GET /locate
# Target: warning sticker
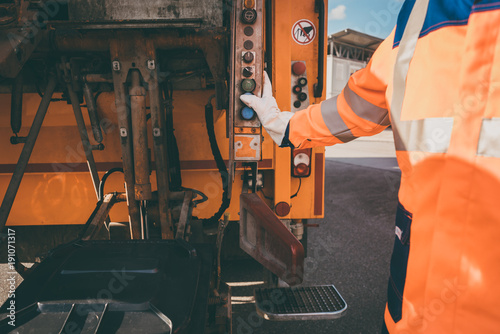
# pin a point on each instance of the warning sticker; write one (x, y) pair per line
(303, 32)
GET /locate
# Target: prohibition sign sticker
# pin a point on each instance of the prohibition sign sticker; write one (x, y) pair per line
(303, 32)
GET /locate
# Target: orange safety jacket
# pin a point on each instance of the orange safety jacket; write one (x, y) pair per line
(436, 80)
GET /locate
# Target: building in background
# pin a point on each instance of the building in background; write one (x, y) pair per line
(348, 51)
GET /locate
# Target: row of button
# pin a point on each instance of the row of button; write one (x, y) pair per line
(248, 16)
(298, 69)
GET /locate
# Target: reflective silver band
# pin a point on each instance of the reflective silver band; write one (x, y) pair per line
(489, 138)
(365, 109)
(405, 54)
(403, 129)
(334, 122)
(424, 135)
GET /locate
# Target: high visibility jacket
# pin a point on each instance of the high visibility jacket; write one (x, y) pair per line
(436, 80)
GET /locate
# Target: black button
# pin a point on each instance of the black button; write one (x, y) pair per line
(248, 31)
(249, 16)
(248, 57)
(297, 104)
(247, 72)
(302, 96)
(248, 45)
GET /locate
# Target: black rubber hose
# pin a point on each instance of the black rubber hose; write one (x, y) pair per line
(104, 178)
(174, 164)
(16, 104)
(221, 166)
(98, 205)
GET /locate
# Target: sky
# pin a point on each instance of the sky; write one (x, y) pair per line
(372, 17)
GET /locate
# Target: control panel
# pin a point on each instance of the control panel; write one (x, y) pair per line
(300, 91)
(247, 70)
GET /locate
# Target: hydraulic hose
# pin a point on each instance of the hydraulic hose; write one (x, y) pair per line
(174, 164)
(104, 178)
(99, 202)
(221, 166)
(16, 104)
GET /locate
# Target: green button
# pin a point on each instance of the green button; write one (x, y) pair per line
(248, 85)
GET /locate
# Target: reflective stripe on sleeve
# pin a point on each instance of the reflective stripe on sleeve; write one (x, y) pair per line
(365, 109)
(430, 135)
(489, 138)
(334, 122)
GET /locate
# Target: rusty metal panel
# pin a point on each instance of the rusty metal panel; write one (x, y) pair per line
(247, 64)
(208, 13)
(264, 237)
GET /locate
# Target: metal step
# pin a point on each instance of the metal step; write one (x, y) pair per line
(300, 303)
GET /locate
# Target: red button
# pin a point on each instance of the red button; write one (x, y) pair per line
(282, 209)
(298, 68)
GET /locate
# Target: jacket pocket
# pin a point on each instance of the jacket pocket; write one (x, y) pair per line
(399, 263)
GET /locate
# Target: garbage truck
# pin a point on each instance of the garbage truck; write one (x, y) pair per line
(127, 158)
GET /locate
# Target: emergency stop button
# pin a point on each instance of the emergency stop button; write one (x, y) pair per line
(298, 68)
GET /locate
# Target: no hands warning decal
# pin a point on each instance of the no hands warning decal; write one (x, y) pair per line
(303, 32)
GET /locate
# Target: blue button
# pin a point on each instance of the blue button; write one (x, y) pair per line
(247, 113)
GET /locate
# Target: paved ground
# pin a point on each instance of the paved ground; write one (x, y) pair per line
(350, 249)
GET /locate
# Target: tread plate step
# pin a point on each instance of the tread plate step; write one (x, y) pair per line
(300, 303)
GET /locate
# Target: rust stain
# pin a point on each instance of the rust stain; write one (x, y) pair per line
(244, 148)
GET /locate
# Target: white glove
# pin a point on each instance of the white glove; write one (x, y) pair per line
(273, 120)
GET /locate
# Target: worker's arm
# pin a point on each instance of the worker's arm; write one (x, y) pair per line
(360, 109)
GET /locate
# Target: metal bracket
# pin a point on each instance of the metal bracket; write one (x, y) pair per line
(185, 217)
(250, 177)
(101, 212)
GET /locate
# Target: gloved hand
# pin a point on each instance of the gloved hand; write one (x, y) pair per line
(273, 120)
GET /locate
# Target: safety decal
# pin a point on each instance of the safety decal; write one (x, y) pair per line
(303, 32)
